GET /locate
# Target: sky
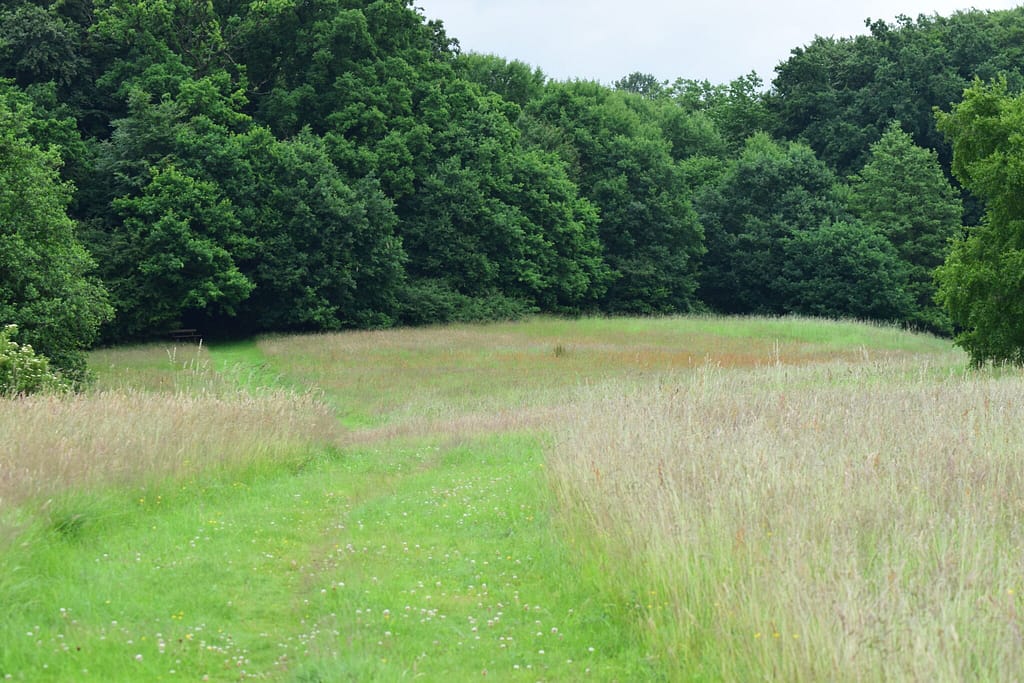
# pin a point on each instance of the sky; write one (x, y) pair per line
(716, 40)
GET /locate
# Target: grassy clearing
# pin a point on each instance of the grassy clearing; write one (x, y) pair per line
(210, 524)
(391, 378)
(772, 523)
(376, 505)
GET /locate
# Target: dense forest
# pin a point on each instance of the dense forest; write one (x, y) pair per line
(244, 166)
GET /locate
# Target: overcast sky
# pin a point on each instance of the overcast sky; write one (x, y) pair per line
(719, 40)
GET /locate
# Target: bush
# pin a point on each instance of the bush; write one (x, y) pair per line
(429, 301)
(23, 372)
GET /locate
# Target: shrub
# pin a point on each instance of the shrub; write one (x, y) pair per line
(430, 301)
(23, 372)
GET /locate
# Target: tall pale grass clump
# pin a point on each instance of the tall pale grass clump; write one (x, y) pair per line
(120, 436)
(837, 522)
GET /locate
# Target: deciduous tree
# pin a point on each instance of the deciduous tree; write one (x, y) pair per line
(46, 285)
(771, 192)
(902, 193)
(623, 163)
(982, 281)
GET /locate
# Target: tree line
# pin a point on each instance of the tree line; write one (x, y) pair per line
(244, 166)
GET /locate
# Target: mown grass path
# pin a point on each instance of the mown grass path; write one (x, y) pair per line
(423, 563)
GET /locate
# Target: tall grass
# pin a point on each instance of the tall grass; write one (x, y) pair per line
(834, 522)
(155, 418)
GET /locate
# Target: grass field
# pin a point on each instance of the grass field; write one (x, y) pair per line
(612, 500)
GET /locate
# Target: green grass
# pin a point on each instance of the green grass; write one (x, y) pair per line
(149, 367)
(421, 539)
(429, 560)
(715, 331)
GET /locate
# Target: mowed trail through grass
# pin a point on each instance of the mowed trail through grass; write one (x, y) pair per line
(419, 539)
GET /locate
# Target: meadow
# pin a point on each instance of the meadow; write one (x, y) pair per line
(601, 499)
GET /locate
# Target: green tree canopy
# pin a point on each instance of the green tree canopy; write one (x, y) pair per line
(318, 164)
(738, 108)
(324, 253)
(38, 45)
(780, 240)
(514, 80)
(45, 284)
(219, 223)
(764, 197)
(982, 281)
(623, 163)
(174, 261)
(903, 193)
(492, 217)
(839, 95)
(645, 85)
(844, 269)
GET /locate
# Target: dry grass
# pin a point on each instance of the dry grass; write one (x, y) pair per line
(186, 420)
(834, 522)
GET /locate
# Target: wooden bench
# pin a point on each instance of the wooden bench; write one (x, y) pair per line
(185, 335)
